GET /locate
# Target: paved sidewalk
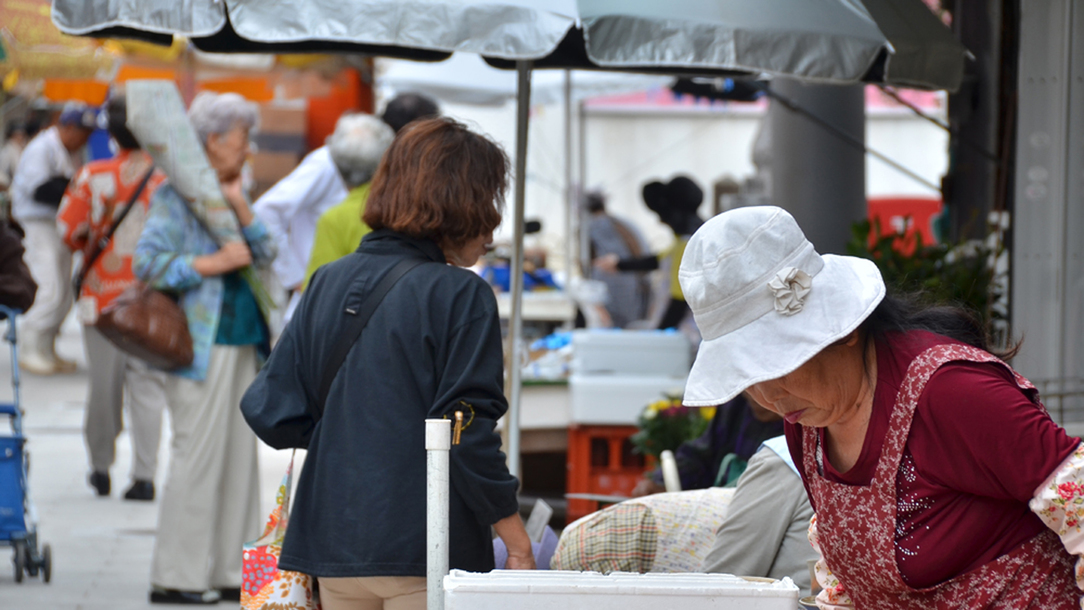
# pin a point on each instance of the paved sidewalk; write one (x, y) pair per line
(101, 546)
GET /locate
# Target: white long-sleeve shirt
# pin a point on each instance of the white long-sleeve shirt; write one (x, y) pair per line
(43, 158)
(291, 208)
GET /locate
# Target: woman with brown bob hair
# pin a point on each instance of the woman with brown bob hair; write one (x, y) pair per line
(432, 347)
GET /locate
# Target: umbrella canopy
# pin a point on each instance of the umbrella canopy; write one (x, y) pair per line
(834, 41)
(897, 42)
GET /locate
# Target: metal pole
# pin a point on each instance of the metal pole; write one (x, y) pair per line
(570, 195)
(438, 442)
(515, 329)
(817, 175)
(585, 237)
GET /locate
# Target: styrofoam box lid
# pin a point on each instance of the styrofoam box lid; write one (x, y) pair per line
(617, 399)
(630, 352)
(623, 338)
(618, 583)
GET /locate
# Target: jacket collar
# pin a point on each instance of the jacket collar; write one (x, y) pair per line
(386, 241)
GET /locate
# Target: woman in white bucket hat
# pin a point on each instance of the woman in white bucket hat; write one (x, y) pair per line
(938, 478)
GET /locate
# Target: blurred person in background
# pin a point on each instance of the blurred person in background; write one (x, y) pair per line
(764, 532)
(676, 203)
(15, 139)
(719, 456)
(292, 207)
(629, 293)
(96, 199)
(356, 148)
(406, 108)
(210, 503)
(436, 199)
(47, 164)
(17, 287)
(340, 229)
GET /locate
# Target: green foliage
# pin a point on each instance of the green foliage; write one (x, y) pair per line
(949, 273)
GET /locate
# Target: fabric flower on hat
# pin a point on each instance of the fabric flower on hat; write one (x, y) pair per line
(790, 286)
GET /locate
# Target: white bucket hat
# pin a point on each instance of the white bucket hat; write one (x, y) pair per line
(765, 301)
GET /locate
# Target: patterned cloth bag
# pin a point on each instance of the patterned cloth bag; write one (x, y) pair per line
(263, 585)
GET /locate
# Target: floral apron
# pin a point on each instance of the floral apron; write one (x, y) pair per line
(856, 525)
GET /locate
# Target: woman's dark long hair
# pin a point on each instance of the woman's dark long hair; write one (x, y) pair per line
(901, 312)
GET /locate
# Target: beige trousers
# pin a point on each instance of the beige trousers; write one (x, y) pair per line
(50, 264)
(373, 593)
(111, 370)
(210, 506)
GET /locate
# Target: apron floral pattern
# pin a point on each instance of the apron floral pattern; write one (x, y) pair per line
(855, 527)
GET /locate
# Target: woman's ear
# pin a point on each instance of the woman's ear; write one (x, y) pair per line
(850, 340)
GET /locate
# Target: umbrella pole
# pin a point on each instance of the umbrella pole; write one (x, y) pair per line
(515, 328)
(570, 197)
(585, 221)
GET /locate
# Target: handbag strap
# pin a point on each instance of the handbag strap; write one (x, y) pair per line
(355, 323)
(103, 241)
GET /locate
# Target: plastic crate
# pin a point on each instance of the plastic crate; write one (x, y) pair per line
(601, 461)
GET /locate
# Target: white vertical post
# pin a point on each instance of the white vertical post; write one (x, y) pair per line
(670, 477)
(438, 442)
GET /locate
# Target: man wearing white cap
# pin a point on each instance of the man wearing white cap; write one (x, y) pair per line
(47, 164)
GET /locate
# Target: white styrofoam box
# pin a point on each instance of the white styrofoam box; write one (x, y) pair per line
(617, 399)
(544, 590)
(630, 352)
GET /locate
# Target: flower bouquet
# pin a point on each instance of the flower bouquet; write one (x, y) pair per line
(666, 424)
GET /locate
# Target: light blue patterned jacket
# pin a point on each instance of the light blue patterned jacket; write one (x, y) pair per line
(172, 229)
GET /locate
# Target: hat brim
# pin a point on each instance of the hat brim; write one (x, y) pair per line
(773, 345)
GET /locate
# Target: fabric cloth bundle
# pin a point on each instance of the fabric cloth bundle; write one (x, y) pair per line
(263, 585)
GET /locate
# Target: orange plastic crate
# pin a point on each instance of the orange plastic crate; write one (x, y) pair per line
(601, 461)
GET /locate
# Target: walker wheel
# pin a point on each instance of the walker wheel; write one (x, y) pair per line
(46, 563)
(20, 560)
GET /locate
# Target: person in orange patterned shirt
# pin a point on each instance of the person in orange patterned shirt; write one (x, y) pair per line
(94, 200)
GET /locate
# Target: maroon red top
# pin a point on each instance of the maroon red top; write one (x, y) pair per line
(976, 452)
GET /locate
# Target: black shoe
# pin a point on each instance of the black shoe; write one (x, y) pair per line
(230, 594)
(100, 482)
(176, 596)
(140, 490)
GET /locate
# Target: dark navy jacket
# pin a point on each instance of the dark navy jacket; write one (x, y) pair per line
(431, 348)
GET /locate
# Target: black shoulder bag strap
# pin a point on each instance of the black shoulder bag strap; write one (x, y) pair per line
(355, 323)
(103, 241)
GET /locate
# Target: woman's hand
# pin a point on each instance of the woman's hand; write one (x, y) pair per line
(235, 196)
(646, 487)
(607, 263)
(519, 562)
(512, 533)
(232, 256)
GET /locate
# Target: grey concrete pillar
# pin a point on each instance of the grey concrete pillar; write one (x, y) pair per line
(816, 175)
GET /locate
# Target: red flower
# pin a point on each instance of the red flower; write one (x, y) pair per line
(1068, 490)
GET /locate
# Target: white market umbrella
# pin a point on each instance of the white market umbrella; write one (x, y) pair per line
(828, 41)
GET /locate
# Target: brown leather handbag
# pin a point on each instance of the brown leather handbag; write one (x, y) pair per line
(148, 324)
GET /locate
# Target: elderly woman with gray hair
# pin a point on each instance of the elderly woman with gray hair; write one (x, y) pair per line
(356, 148)
(210, 505)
